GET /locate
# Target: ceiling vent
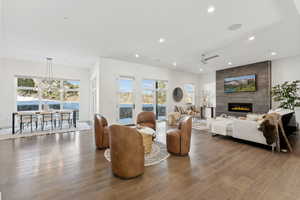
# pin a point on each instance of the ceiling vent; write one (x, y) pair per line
(234, 27)
(205, 59)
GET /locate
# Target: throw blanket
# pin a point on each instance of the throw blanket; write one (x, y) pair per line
(269, 127)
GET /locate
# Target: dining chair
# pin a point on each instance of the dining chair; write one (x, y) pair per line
(65, 116)
(26, 119)
(45, 118)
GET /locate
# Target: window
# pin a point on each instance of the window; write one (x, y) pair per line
(126, 100)
(30, 96)
(189, 97)
(53, 97)
(71, 96)
(27, 94)
(161, 93)
(148, 95)
(154, 97)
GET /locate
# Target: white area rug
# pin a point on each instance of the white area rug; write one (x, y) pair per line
(158, 154)
(7, 133)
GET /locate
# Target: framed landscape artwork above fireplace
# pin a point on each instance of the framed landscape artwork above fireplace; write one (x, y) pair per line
(246, 83)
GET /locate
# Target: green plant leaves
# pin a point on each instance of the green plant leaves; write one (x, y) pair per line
(287, 94)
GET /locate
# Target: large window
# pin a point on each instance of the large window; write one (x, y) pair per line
(27, 94)
(126, 105)
(155, 97)
(31, 96)
(148, 95)
(189, 97)
(161, 99)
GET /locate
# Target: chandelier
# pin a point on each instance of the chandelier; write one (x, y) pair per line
(47, 83)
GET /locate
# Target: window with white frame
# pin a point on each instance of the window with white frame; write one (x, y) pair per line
(189, 97)
(154, 97)
(148, 99)
(63, 95)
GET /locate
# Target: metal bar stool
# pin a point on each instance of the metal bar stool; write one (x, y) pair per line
(65, 116)
(45, 118)
(27, 119)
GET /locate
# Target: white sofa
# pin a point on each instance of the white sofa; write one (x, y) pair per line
(247, 130)
(237, 128)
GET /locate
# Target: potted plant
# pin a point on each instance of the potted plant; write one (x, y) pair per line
(287, 94)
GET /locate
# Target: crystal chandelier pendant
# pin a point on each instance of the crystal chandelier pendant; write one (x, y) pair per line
(47, 84)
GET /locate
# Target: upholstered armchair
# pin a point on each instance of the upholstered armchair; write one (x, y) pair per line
(126, 151)
(178, 140)
(147, 119)
(101, 132)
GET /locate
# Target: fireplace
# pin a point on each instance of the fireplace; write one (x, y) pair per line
(240, 107)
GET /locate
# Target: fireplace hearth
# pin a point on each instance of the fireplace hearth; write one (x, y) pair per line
(240, 107)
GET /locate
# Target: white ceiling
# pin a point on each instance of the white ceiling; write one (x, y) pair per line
(78, 32)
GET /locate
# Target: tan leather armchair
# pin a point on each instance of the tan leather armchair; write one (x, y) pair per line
(147, 119)
(101, 132)
(178, 140)
(127, 152)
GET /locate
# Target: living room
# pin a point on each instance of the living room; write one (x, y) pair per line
(149, 100)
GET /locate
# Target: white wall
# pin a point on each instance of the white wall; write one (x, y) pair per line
(111, 69)
(287, 69)
(208, 87)
(95, 75)
(10, 68)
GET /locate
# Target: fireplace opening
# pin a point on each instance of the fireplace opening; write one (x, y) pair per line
(240, 107)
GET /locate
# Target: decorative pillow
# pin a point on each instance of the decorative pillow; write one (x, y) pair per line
(193, 108)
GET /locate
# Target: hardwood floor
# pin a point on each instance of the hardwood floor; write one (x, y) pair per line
(67, 166)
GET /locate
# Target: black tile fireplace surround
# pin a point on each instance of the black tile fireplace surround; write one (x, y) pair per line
(240, 107)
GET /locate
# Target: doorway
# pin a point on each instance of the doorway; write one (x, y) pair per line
(126, 103)
(155, 97)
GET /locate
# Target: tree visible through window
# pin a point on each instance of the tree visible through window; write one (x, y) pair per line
(189, 96)
(155, 97)
(63, 95)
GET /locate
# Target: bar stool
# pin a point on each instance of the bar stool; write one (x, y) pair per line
(65, 116)
(45, 118)
(27, 119)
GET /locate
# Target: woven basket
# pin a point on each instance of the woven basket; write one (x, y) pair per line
(147, 141)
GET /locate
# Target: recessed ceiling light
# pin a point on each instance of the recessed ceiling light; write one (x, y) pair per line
(174, 63)
(273, 53)
(161, 40)
(137, 55)
(200, 69)
(211, 9)
(229, 63)
(251, 38)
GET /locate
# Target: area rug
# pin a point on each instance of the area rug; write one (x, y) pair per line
(200, 125)
(158, 154)
(7, 133)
